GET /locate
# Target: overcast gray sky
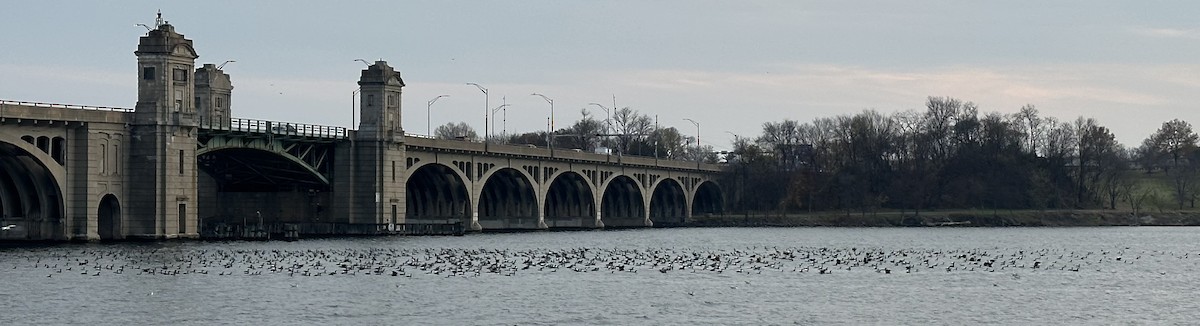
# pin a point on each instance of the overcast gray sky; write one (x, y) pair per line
(730, 65)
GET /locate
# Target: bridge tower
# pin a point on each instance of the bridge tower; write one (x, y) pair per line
(162, 185)
(375, 190)
(213, 93)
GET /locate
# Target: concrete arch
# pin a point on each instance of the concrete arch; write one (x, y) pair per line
(219, 151)
(57, 171)
(437, 193)
(31, 191)
(108, 218)
(569, 202)
(622, 204)
(668, 203)
(707, 199)
(524, 174)
(507, 199)
(453, 169)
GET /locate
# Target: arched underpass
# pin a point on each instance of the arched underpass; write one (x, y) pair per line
(30, 199)
(622, 204)
(251, 186)
(435, 194)
(668, 204)
(108, 218)
(508, 201)
(569, 203)
(708, 200)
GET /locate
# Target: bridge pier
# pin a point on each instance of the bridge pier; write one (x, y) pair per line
(598, 223)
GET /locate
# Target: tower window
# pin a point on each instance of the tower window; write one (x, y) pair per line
(220, 102)
(370, 100)
(148, 73)
(179, 75)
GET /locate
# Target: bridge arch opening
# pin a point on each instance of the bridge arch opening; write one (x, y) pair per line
(256, 170)
(569, 202)
(435, 194)
(508, 201)
(108, 218)
(31, 205)
(249, 186)
(668, 204)
(622, 204)
(708, 200)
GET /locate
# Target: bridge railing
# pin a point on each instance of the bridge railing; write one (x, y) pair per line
(64, 106)
(277, 128)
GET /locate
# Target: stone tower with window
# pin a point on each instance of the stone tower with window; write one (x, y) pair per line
(162, 189)
(375, 191)
(213, 90)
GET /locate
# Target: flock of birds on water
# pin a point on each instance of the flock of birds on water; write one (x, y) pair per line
(460, 262)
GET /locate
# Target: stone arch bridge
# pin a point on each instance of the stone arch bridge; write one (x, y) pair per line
(179, 163)
(68, 172)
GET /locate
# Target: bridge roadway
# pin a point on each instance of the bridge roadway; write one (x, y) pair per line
(65, 174)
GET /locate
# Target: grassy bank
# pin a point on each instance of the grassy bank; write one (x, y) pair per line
(962, 218)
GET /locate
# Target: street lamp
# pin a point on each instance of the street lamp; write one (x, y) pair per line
(502, 106)
(697, 131)
(428, 125)
(549, 141)
(354, 108)
(607, 117)
(486, 106)
(699, 156)
(353, 96)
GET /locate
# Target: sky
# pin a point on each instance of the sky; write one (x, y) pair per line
(729, 65)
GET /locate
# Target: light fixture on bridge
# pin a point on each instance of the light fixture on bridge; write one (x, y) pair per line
(428, 125)
(486, 107)
(550, 139)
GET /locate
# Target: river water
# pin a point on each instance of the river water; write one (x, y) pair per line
(697, 276)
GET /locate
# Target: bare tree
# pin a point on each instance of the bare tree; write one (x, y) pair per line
(454, 130)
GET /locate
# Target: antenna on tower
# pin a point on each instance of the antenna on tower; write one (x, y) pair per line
(158, 21)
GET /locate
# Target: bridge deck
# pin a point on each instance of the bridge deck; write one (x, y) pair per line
(85, 113)
(419, 143)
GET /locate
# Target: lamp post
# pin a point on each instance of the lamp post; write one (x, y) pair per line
(502, 106)
(607, 117)
(353, 98)
(428, 124)
(486, 106)
(550, 140)
(697, 132)
(504, 118)
(354, 108)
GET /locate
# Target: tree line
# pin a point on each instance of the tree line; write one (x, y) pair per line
(950, 156)
(947, 156)
(626, 132)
